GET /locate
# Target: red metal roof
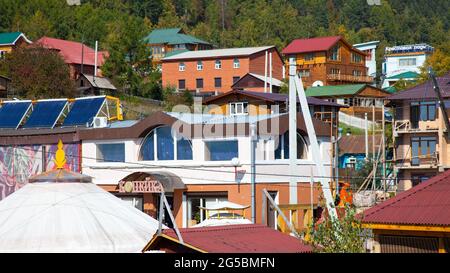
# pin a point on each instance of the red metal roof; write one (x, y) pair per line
(71, 51)
(247, 238)
(311, 44)
(425, 204)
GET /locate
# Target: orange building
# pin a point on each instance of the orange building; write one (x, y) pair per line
(216, 70)
(327, 61)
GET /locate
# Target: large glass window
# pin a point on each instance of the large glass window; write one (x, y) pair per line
(165, 146)
(407, 62)
(282, 150)
(422, 148)
(195, 215)
(356, 58)
(423, 111)
(334, 53)
(111, 152)
(221, 150)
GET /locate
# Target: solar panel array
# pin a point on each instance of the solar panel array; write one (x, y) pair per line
(46, 113)
(13, 113)
(83, 111)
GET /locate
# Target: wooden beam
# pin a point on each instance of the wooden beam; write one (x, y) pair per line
(406, 227)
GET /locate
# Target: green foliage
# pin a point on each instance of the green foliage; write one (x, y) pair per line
(341, 236)
(36, 72)
(173, 98)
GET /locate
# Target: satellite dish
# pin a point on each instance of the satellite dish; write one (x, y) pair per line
(317, 83)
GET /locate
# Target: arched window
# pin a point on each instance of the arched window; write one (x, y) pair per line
(282, 149)
(199, 65)
(160, 144)
(181, 67)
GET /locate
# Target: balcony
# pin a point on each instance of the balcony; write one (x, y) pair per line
(406, 126)
(349, 78)
(429, 161)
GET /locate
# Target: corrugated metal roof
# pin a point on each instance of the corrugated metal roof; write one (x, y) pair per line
(424, 90)
(213, 53)
(355, 144)
(172, 36)
(9, 38)
(311, 44)
(404, 75)
(247, 238)
(334, 90)
(425, 204)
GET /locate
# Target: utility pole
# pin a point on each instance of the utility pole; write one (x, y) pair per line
(383, 149)
(253, 139)
(366, 135)
(292, 132)
(374, 165)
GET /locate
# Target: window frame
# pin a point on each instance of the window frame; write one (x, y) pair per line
(215, 82)
(199, 65)
(217, 64)
(99, 154)
(208, 150)
(419, 141)
(309, 56)
(179, 81)
(182, 67)
(234, 105)
(237, 64)
(401, 62)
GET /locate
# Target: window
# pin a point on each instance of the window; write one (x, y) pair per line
(165, 146)
(235, 79)
(2, 54)
(407, 62)
(217, 82)
(221, 150)
(199, 83)
(181, 67)
(335, 71)
(357, 73)
(218, 64)
(181, 84)
(334, 54)
(180, 46)
(199, 65)
(134, 201)
(111, 152)
(157, 50)
(422, 148)
(304, 73)
(236, 63)
(416, 179)
(282, 150)
(196, 215)
(356, 58)
(422, 111)
(309, 56)
(238, 108)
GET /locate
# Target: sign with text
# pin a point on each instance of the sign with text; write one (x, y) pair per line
(146, 186)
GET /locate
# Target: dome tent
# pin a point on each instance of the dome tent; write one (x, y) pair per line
(63, 211)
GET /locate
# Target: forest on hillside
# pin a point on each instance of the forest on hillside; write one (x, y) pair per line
(121, 25)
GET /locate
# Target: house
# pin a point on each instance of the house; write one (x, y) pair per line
(79, 57)
(11, 40)
(243, 102)
(171, 41)
(255, 82)
(420, 132)
(352, 150)
(215, 71)
(4, 86)
(359, 97)
(408, 76)
(324, 61)
(414, 221)
(404, 58)
(92, 85)
(206, 160)
(249, 238)
(371, 62)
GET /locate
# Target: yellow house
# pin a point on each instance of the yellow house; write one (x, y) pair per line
(415, 221)
(11, 40)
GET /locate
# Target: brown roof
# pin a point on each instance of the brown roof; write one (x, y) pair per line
(356, 144)
(247, 238)
(425, 204)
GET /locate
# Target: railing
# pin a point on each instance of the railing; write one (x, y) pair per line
(422, 161)
(405, 126)
(349, 78)
(402, 125)
(354, 121)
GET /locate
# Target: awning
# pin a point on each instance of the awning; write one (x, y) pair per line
(167, 180)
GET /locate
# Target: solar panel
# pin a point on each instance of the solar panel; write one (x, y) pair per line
(45, 114)
(83, 111)
(12, 114)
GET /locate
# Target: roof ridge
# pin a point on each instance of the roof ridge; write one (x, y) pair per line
(407, 194)
(220, 228)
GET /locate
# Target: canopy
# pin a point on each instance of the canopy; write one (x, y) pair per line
(225, 205)
(71, 217)
(213, 222)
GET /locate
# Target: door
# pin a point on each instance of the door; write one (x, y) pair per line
(271, 211)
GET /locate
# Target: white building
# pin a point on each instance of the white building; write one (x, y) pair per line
(370, 49)
(403, 59)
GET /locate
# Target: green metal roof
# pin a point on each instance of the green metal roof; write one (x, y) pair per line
(172, 36)
(404, 75)
(9, 38)
(390, 89)
(175, 52)
(334, 90)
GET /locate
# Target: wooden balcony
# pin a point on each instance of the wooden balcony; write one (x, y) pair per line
(349, 78)
(406, 126)
(428, 161)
